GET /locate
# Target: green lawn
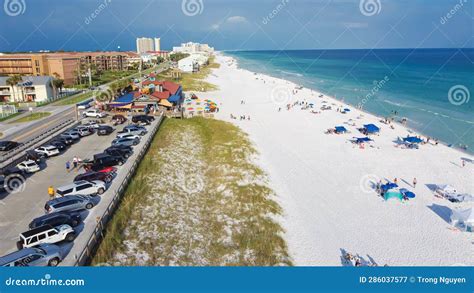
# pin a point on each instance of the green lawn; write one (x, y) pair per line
(197, 199)
(31, 117)
(74, 99)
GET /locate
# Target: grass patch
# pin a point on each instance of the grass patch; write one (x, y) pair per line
(10, 117)
(31, 117)
(196, 200)
(74, 99)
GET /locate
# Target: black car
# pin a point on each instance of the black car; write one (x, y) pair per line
(105, 130)
(56, 219)
(146, 119)
(8, 145)
(66, 140)
(13, 171)
(34, 156)
(92, 175)
(118, 152)
(102, 161)
(61, 146)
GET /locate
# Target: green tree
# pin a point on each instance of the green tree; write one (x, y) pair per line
(13, 82)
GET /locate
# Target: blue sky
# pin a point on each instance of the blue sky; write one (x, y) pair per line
(236, 25)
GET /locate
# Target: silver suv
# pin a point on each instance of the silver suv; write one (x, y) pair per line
(69, 203)
(46, 234)
(44, 255)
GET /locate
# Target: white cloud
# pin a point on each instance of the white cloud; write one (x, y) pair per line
(236, 19)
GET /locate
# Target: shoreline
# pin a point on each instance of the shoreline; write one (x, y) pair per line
(311, 171)
(318, 91)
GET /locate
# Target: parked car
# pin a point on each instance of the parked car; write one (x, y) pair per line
(56, 219)
(46, 235)
(47, 151)
(121, 152)
(125, 141)
(103, 160)
(128, 135)
(34, 156)
(69, 203)
(95, 113)
(118, 119)
(92, 176)
(83, 131)
(108, 170)
(28, 166)
(43, 255)
(105, 130)
(61, 146)
(71, 134)
(133, 130)
(145, 119)
(8, 145)
(64, 139)
(91, 124)
(83, 187)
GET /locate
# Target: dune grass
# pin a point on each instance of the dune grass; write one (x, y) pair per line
(31, 117)
(196, 200)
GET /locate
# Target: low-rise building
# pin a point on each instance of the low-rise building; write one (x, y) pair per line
(30, 89)
(191, 48)
(193, 62)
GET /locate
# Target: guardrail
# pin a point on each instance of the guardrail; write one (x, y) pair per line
(12, 155)
(101, 222)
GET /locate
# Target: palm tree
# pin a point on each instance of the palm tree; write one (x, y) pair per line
(13, 82)
(58, 83)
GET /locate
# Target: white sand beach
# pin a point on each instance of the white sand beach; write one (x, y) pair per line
(324, 182)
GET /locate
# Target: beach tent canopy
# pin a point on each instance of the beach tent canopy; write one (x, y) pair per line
(463, 216)
(362, 139)
(340, 129)
(446, 188)
(388, 186)
(393, 193)
(407, 193)
(412, 139)
(371, 128)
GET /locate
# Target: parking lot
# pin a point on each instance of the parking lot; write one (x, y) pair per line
(18, 209)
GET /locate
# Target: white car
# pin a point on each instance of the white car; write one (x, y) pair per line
(46, 234)
(83, 188)
(95, 113)
(47, 151)
(29, 166)
(128, 135)
(91, 124)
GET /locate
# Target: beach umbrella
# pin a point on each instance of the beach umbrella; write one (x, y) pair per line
(347, 109)
(412, 139)
(199, 109)
(190, 109)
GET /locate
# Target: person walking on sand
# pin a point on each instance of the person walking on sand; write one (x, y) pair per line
(463, 163)
(395, 180)
(51, 192)
(414, 182)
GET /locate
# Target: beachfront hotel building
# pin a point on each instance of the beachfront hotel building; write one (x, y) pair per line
(144, 45)
(30, 89)
(191, 48)
(65, 64)
(157, 45)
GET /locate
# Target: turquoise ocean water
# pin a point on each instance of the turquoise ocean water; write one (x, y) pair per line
(432, 88)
